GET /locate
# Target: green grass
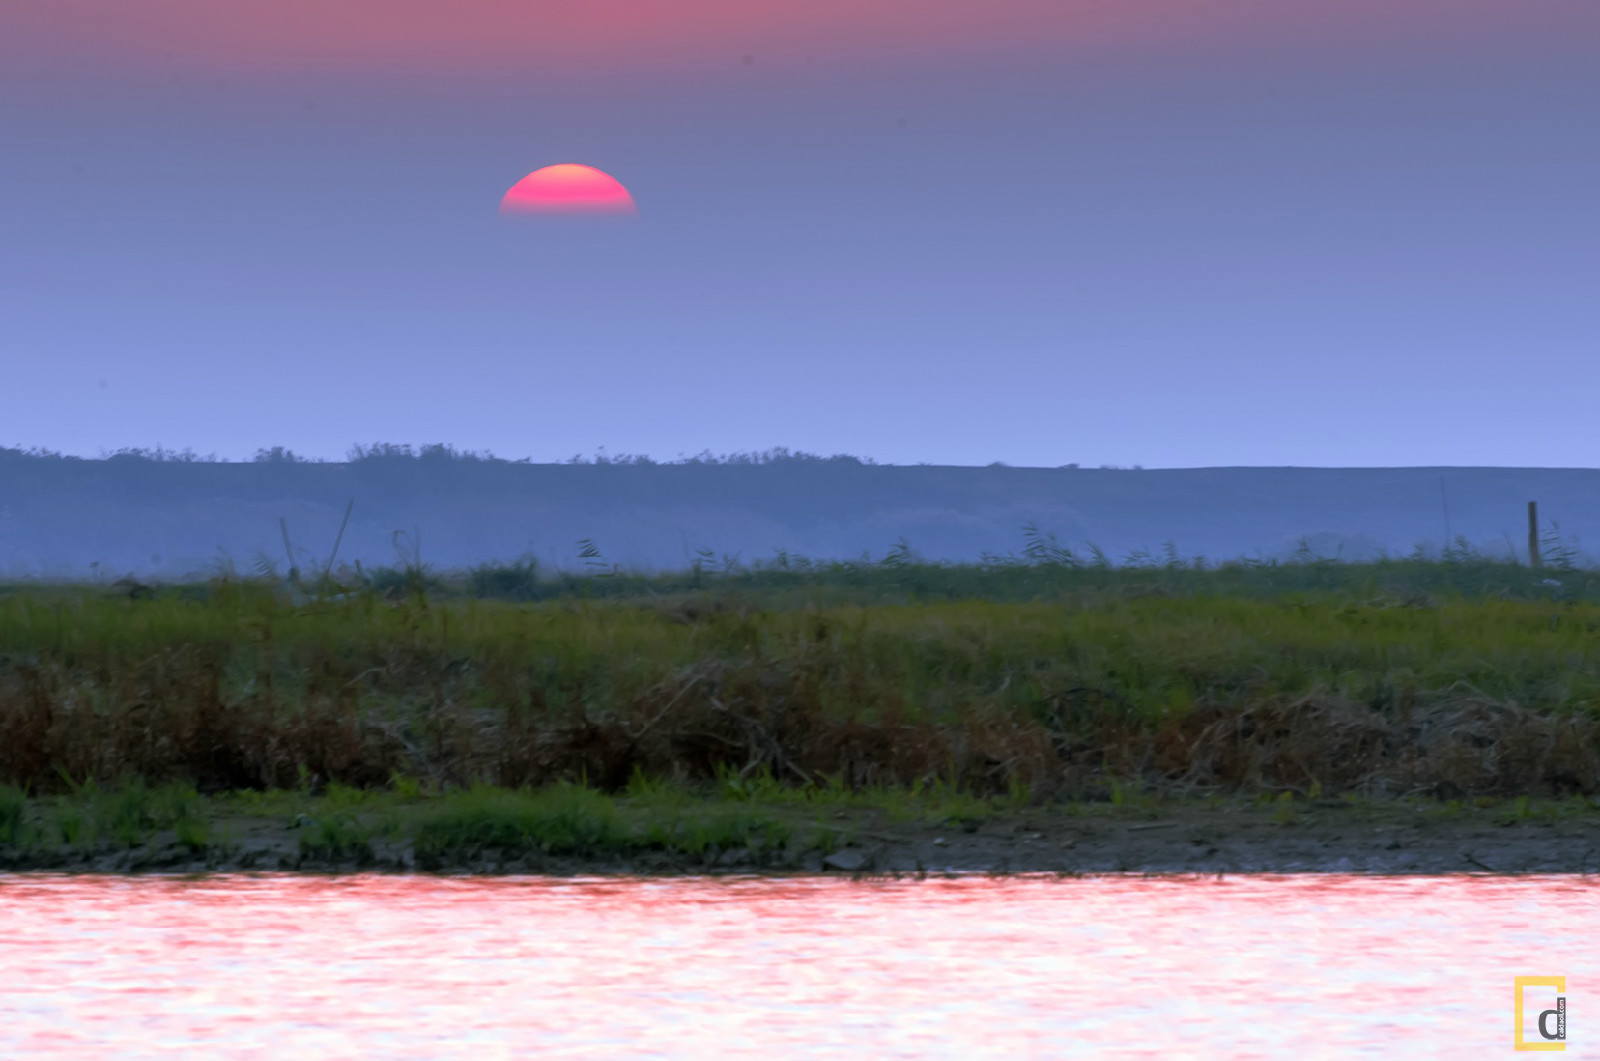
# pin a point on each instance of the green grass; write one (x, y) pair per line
(562, 820)
(690, 825)
(699, 831)
(128, 815)
(573, 820)
(335, 836)
(1048, 674)
(13, 816)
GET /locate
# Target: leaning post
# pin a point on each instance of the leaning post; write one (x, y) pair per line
(1533, 534)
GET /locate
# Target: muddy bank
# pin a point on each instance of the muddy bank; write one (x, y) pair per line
(1331, 837)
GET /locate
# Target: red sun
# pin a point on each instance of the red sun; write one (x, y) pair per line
(568, 188)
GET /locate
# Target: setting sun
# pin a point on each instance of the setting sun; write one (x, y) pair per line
(568, 188)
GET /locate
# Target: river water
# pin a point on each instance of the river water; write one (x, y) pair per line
(394, 967)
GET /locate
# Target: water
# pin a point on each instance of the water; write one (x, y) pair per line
(269, 966)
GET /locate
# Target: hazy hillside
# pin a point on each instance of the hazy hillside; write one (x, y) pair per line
(160, 514)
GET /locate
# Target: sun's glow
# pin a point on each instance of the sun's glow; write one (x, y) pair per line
(568, 188)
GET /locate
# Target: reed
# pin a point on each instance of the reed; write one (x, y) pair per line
(1456, 676)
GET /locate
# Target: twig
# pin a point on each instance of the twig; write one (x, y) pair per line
(774, 749)
(338, 539)
(663, 712)
(363, 674)
(283, 525)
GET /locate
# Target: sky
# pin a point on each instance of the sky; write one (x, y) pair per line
(1173, 233)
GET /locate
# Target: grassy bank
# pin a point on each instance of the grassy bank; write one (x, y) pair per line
(340, 825)
(757, 824)
(1064, 679)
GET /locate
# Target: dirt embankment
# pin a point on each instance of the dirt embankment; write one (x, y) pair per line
(1327, 837)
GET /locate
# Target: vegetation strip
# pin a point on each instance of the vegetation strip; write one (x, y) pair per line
(740, 827)
(773, 720)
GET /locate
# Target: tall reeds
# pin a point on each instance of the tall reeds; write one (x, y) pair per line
(1060, 678)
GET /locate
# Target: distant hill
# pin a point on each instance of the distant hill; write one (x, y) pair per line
(165, 515)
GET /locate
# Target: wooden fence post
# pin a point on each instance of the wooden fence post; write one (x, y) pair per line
(1533, 534)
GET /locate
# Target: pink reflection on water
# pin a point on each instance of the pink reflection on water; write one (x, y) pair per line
(236, 967)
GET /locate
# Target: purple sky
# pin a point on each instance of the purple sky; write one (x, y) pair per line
(1362, 234)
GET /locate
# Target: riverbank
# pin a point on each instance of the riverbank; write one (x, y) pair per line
(1130, 687)
(572, 831)
(1146, 721)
